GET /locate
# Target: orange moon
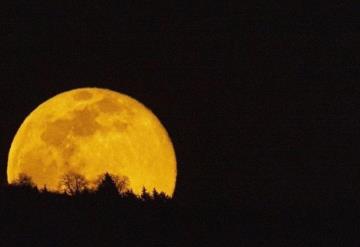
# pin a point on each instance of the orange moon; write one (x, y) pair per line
(92, 131)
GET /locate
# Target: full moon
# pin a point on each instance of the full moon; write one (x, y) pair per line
(92, 131)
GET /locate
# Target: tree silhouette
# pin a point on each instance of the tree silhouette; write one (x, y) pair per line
(73, 183)
(129, 195)
(121, 183)
(145, 196)
(155, 193)
(107, 186)
(159, 196)
(24, 180)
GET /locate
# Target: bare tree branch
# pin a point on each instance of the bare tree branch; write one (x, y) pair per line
(73, 183)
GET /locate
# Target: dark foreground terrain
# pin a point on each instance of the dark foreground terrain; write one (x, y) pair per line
(32, 218)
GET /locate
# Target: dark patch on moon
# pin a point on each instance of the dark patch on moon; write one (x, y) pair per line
(58, 133)
(69, 150)
(120, 126)
(84, 122)
(109, 105)
(82, 95)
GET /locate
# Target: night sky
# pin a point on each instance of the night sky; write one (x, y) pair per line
(260, 102)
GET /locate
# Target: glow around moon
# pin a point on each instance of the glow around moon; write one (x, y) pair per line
(91, 131)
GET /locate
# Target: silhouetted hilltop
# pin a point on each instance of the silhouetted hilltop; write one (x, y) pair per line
(41, 218)
(35, 217)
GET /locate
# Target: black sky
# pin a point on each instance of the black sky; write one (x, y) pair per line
(261, 101)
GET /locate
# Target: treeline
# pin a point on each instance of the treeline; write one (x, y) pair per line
(74, 184)
(105, 213)
(109, 214)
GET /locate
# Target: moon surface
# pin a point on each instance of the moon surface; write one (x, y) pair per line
(92, 131)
